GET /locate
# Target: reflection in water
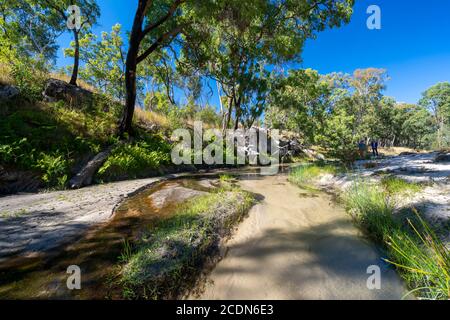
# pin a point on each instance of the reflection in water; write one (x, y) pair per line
(97, 252)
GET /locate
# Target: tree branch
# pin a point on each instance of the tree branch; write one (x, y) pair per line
(171, 34)
(166, 17)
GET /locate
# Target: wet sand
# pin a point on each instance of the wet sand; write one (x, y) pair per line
(297, 245)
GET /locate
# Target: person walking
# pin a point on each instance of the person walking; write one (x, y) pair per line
(374, 145)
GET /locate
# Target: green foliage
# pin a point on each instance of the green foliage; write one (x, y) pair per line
(307, 173)
(397, 186)
(300, 103)
(423, 260)
(158, 102)
(104, 59)
(50, 138)
(336, 111)
(225, 178)
(208, 115)
(55, 169)
(420, 256)
(135, 160)
(29, 31)
(338, 138)
(370, 206)
(437, 100)
(235, 49)
(29, 81)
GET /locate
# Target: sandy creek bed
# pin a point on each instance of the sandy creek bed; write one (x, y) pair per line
(295, 244)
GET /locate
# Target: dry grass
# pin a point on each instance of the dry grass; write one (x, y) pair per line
(80, 83)
(5, 72)
(395, 151)
(6, 78)
(150, 117)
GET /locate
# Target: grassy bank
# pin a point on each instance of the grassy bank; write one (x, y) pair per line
(421, 258)
(48, 142)
(411, 245)
(168, 260)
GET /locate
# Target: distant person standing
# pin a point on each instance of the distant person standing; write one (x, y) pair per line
(374, 145)
(362, 147)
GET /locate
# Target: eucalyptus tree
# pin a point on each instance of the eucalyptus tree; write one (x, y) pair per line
(248, 36)
(65, 13)
(437, 100)
(300, 102)
(156, 24)
(28, 29)
(104, 61)
(227, 39)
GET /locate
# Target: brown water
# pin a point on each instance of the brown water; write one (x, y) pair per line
(97, 253)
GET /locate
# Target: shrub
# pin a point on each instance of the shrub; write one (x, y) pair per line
(29, 81)
(55, 169)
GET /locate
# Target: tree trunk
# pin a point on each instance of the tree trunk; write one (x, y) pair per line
(238, 113)
(85, 176)
(130, 71)
(130, 85)
(238, 117)
(227, 116)
(76, 63)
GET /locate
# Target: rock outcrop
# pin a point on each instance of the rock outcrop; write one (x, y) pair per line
(13, 181)
(8, 92)
(57, 90)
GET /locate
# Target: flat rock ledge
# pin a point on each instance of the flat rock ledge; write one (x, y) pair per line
(32, 224)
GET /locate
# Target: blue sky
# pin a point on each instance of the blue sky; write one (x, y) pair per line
(413, 44)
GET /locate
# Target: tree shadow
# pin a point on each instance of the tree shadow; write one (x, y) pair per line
(327, 261)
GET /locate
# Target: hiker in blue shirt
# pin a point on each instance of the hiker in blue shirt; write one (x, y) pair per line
(375, 148)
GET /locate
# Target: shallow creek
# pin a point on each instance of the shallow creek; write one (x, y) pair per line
(295, 244)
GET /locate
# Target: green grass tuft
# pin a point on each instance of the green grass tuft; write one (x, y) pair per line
(307, 173)
(371, 208)
(420, 256)
(395, 186)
